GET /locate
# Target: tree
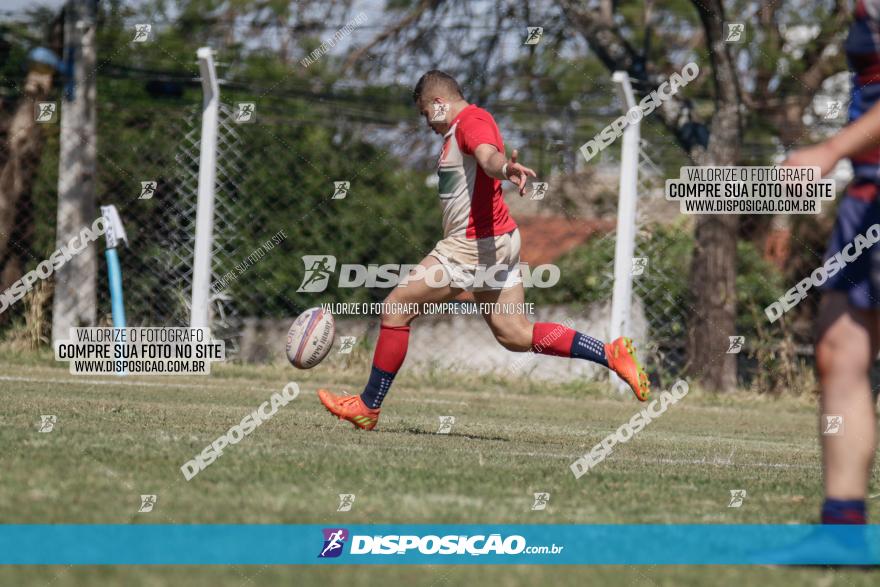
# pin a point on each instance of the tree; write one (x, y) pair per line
(713, 275)
(22, 141)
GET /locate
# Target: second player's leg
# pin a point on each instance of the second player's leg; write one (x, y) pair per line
(846, 346)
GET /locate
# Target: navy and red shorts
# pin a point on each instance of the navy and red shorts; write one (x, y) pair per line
(858, 210)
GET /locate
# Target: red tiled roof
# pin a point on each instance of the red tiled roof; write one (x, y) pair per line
(546, 238)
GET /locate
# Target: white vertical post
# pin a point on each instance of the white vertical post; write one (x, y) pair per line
(75, 300)
(624, 247)
(201, 285)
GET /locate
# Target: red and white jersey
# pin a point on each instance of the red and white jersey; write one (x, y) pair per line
(472, 202)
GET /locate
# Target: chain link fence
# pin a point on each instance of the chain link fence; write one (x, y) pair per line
(277, 200)
(274, 203)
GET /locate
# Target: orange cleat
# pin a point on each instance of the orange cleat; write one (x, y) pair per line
(349, 407)
(621, 355)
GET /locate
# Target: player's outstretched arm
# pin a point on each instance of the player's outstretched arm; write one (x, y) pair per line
(859, 136)
(496, 165)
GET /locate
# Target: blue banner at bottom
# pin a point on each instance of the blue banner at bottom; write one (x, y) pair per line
(702, 544)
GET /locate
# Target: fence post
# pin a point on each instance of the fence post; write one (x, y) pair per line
(75, 299)
(201, 286)
(624, 246)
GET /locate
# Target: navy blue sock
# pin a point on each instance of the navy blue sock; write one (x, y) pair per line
(843, 511)
(587, 347)
(378, 385)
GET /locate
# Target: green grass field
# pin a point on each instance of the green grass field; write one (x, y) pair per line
(116, 439)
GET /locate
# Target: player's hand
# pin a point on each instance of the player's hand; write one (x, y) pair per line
(518, 174)
(821, 156)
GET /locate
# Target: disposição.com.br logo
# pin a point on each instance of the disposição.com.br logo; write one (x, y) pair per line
(334, 540)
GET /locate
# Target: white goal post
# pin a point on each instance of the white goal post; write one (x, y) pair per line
(624, 246)
(204, 236)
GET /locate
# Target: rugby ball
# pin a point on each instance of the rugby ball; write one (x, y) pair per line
(310, 338)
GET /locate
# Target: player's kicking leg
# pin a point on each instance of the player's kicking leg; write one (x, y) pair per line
(425, 284)
(847, 342)
(516, 333)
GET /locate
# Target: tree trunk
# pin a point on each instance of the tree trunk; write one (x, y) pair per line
(23, 150)
(713, 315)
(713, 266)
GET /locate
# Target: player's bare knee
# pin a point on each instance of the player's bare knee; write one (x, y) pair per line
(396, 312)
(837, 356)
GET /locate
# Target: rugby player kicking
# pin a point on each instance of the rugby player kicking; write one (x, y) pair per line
(480, 239)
